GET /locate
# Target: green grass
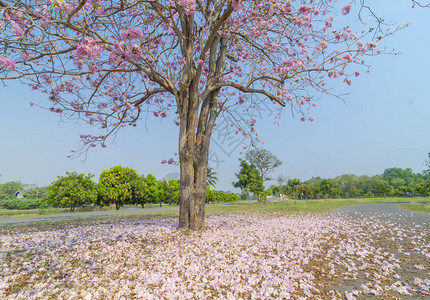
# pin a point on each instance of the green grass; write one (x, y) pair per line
(299, 206)
(419, 207)
(12, 213)
(287, 207)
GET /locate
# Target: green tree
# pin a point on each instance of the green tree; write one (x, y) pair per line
(172, 195)
(293, 186)
(116, 185)
(398, 173)
(397, 182)
(36, 192)
(211, 179)
(382, 188)
(10, 188)
(275, 189)
(325, 187)
(347, 185)
(155, 189)
(249, 180)
(265, 162)
(139, 191)
(71, 190)
(423, 189)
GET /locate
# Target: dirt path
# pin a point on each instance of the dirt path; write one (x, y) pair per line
(404, 238)
(387, 211)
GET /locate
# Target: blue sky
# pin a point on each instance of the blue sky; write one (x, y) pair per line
(385, 122)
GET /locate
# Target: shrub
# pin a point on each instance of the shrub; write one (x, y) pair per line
(12, 202)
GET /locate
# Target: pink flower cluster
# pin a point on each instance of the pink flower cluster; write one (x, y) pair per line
(89, 48)
(189, 6)
(7, 63)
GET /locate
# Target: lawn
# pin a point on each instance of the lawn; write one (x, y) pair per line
(299, 206)
(419, 207)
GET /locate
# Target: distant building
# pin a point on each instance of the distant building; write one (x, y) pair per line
(18, 194)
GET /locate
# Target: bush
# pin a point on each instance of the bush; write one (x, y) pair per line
(218, 196)
(12, 202)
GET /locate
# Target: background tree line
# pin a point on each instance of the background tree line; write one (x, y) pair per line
(260, 163)
(394, 182)
(117, 186)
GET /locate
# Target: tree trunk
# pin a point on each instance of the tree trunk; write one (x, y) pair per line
(193, 168)
(117, 205)
(192, 194)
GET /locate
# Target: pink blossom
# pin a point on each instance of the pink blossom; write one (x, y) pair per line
(324, 44)
(305, 10)
(155, 114)
(7, 63)
(163, 161)
(348, 57)
(89, 47)
(371, 45)
(131, 33)
(356, 73)
(16, 28)
(346, 9)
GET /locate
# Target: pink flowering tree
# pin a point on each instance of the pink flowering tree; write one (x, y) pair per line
(110, 62)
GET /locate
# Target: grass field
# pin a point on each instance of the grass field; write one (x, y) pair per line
(419, 207)
(288, 206)
(12, 213)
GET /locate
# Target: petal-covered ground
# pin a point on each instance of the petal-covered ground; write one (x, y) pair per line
(238, 256)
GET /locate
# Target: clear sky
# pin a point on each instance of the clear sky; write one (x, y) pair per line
(384, 123)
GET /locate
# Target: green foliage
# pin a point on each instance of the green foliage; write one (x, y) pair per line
(34, 191)
(71, 190)
(249, 180)
(115, 186)
(275, 190)
(12, 202)
(394, 174)
(139, 191)
(10, 188)
(423, 188)
(155, 189)
(211, 178)
(264, 161)
(393, 182)
(171, 191)
(213, 196)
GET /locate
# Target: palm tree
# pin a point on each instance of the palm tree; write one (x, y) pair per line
(211, 178)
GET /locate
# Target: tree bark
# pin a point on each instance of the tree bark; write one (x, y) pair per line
(193, 158)
(192, 190)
